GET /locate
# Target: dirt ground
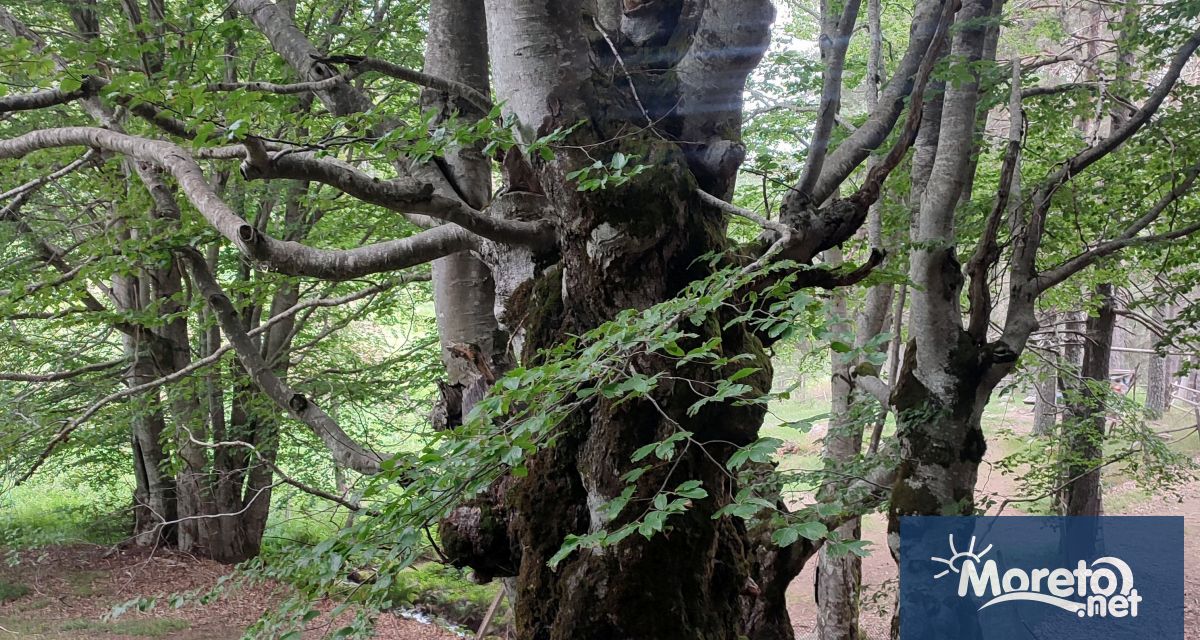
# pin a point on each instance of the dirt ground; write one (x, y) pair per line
(879, 570)
(69, 589)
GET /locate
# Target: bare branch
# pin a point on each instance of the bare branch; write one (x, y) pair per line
(37, 183)
(735, 210)
(284, 89)
(61, 375)
(345, 450)
(361, 64)
(357, 66)
(1048, 90)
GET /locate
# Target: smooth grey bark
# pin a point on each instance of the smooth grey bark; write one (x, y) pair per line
(938, 398)
(848, 155)
(1074, 337)
(463, 286)
(301, 55)
(1045, 404)
(839, 579)
(282, 255)
(154, 494)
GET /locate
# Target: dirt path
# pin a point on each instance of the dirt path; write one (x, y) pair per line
(879, 570)
(64, 592)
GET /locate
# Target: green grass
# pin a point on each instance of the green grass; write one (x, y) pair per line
(83, 583)
(12, 591)
(59, 510)
(146, 627)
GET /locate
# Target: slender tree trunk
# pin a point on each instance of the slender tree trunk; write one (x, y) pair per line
(1158, 392)
(1045, 384)
(154, 493)
(1087, 413)
(463, 286)
(838, 580)
(1074, 328)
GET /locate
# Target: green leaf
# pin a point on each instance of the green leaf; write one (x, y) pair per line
(813, 530)
(642, 452)
(742, 373)
(785, 537)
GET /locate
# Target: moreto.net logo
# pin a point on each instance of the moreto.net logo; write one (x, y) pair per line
(1018, 577)
(1103, 589)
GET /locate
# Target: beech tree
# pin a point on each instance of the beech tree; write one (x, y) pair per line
(958, 356)
(629, 329)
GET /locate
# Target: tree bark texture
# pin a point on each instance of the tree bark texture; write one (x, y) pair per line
(628, 247)
(1087, 412)
(839, 579)
(1158, 392)
(1045, 384)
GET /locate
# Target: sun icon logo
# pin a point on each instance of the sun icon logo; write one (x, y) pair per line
(958, 558)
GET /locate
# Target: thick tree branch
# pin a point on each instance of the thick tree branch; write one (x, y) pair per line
(401, 195)
(876, 387)
(848, 155)
(987, 250)
(872, 186)
(830, 279)
(291, 43)
(834, 41)
(287, 257)
(48, 97)
(345, 450)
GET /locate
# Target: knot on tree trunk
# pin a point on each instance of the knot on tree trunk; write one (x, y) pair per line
(298, 403)
(476, 534)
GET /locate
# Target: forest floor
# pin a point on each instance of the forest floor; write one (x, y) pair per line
(1122, 498)
(64, 591)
